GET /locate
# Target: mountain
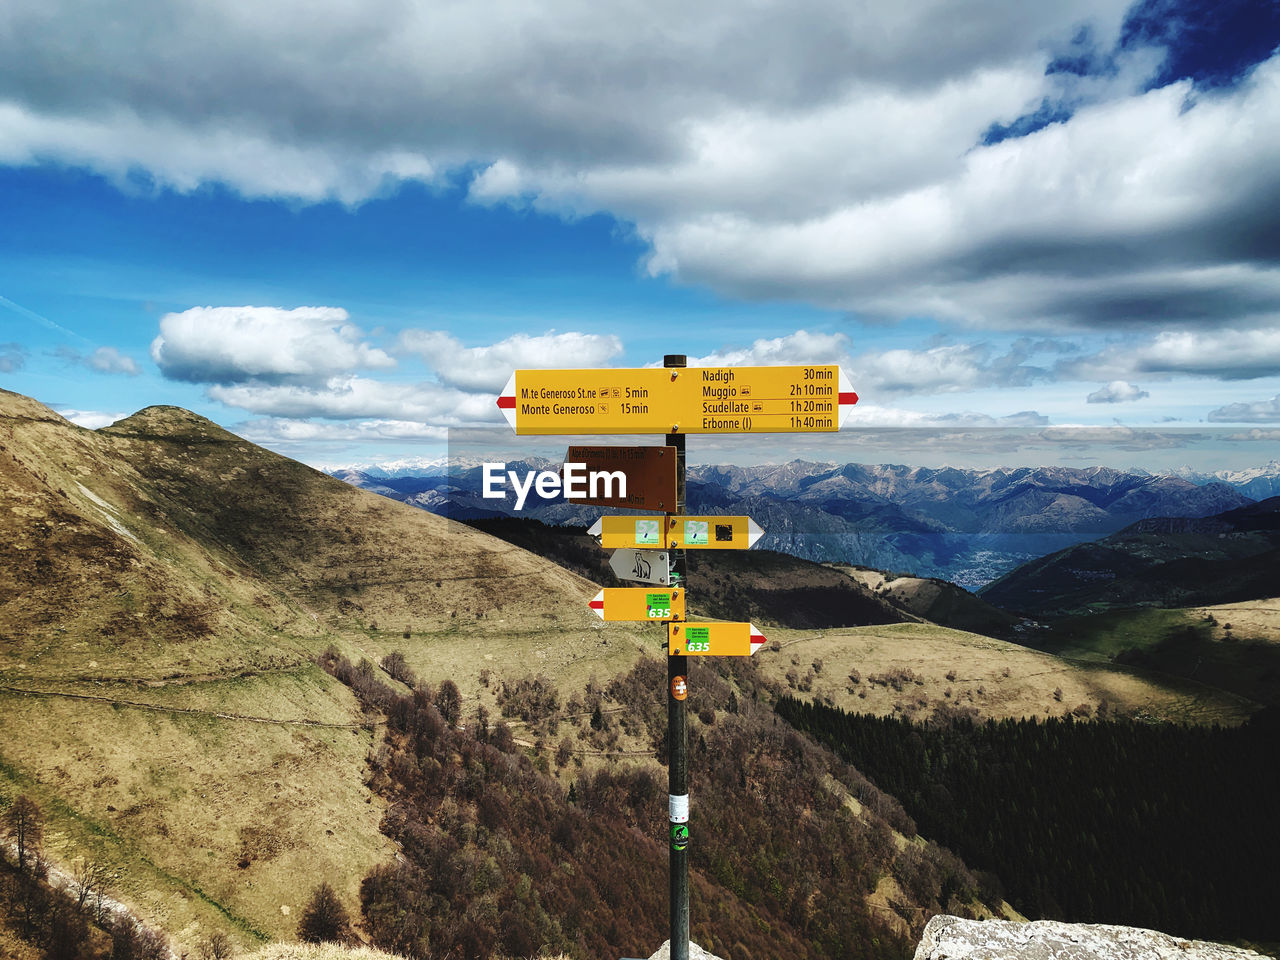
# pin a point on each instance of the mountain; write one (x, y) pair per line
(190, 691)
(1164, 562)
(165, 589)
(966, 526)
(1259, 483)
(940, 602)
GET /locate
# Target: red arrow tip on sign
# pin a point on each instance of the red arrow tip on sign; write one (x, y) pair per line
(757, 639)
(507, 401)
(597, 604)
(846, 397)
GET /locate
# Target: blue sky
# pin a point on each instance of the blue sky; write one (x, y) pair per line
(1030, 233)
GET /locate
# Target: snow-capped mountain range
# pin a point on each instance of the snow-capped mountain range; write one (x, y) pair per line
(968, 526)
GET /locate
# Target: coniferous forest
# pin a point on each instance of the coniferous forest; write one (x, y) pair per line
(1119, 821)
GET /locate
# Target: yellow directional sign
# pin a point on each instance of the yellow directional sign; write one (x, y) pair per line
(796, 399)
(638, 603)
(713, 639)
(677, 533)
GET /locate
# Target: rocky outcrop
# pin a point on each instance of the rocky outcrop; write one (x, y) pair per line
(951, 938)
(695, 952)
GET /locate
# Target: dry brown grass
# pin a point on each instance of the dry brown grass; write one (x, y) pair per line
(978, 663)
(165, 588)
(1250, 619)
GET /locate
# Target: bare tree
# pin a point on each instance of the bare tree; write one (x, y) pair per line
(90, 877)
(217, 947)
(24, 824)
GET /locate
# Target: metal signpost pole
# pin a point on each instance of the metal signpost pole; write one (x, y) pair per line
(677, 732)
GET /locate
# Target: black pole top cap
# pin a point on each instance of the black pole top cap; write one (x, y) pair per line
(675, 360)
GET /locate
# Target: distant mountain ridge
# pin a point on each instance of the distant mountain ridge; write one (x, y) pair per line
(1256, 482)
(1163, 562)
(967, 526)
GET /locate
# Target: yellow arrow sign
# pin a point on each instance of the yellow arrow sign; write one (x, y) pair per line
(638, 603)
(677, 533)
(713, 639)
(796, 399)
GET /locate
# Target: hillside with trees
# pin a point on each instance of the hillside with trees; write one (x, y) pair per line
(1118, 821)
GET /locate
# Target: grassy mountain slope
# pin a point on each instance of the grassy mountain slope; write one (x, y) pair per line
(1229, 557)
(918, 670)
(936, 601)
(166, 587)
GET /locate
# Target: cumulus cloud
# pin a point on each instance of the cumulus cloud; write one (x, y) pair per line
(352, 397)
(806, 150)
(103, 360)
(489, 367)
(1117, 391)
(1256, 435)
(794, 348)
(1224, 354)
(283, 431)
(12, 357)
(1070, 224)
(90, 419)
(228, 345)
(554, 81)
(1263, 411)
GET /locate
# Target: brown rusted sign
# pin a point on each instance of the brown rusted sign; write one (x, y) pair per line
(643, 478)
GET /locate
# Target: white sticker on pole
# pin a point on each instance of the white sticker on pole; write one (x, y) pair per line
(678, 808)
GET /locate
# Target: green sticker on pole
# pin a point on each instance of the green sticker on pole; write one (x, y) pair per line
(679, 836)
(648, 532)
(695, 533)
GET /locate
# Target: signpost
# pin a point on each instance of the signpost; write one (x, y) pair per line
(684, 533)
(638, 603)
(649, 473)
(713, 639)
(676, 400)
(643, 566)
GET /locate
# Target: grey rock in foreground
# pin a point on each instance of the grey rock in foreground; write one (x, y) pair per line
(951, 938)
(695, 952)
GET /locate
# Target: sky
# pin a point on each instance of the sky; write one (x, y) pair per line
(1029, 233)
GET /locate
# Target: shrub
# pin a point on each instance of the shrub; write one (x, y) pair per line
(324, 919)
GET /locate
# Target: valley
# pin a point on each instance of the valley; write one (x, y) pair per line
(176, 598)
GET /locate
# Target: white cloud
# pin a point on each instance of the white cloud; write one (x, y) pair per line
(1256, 435)
(810, 150)
(1117, 391)
(90, 419)
(489, 367)
(351, 397)
(794, 348)
(102, 360)
(228, 345)
(111, 360)
(286, 431)
(1225, 354)
(183, 154)
(1263, 411)
(1058, 226)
